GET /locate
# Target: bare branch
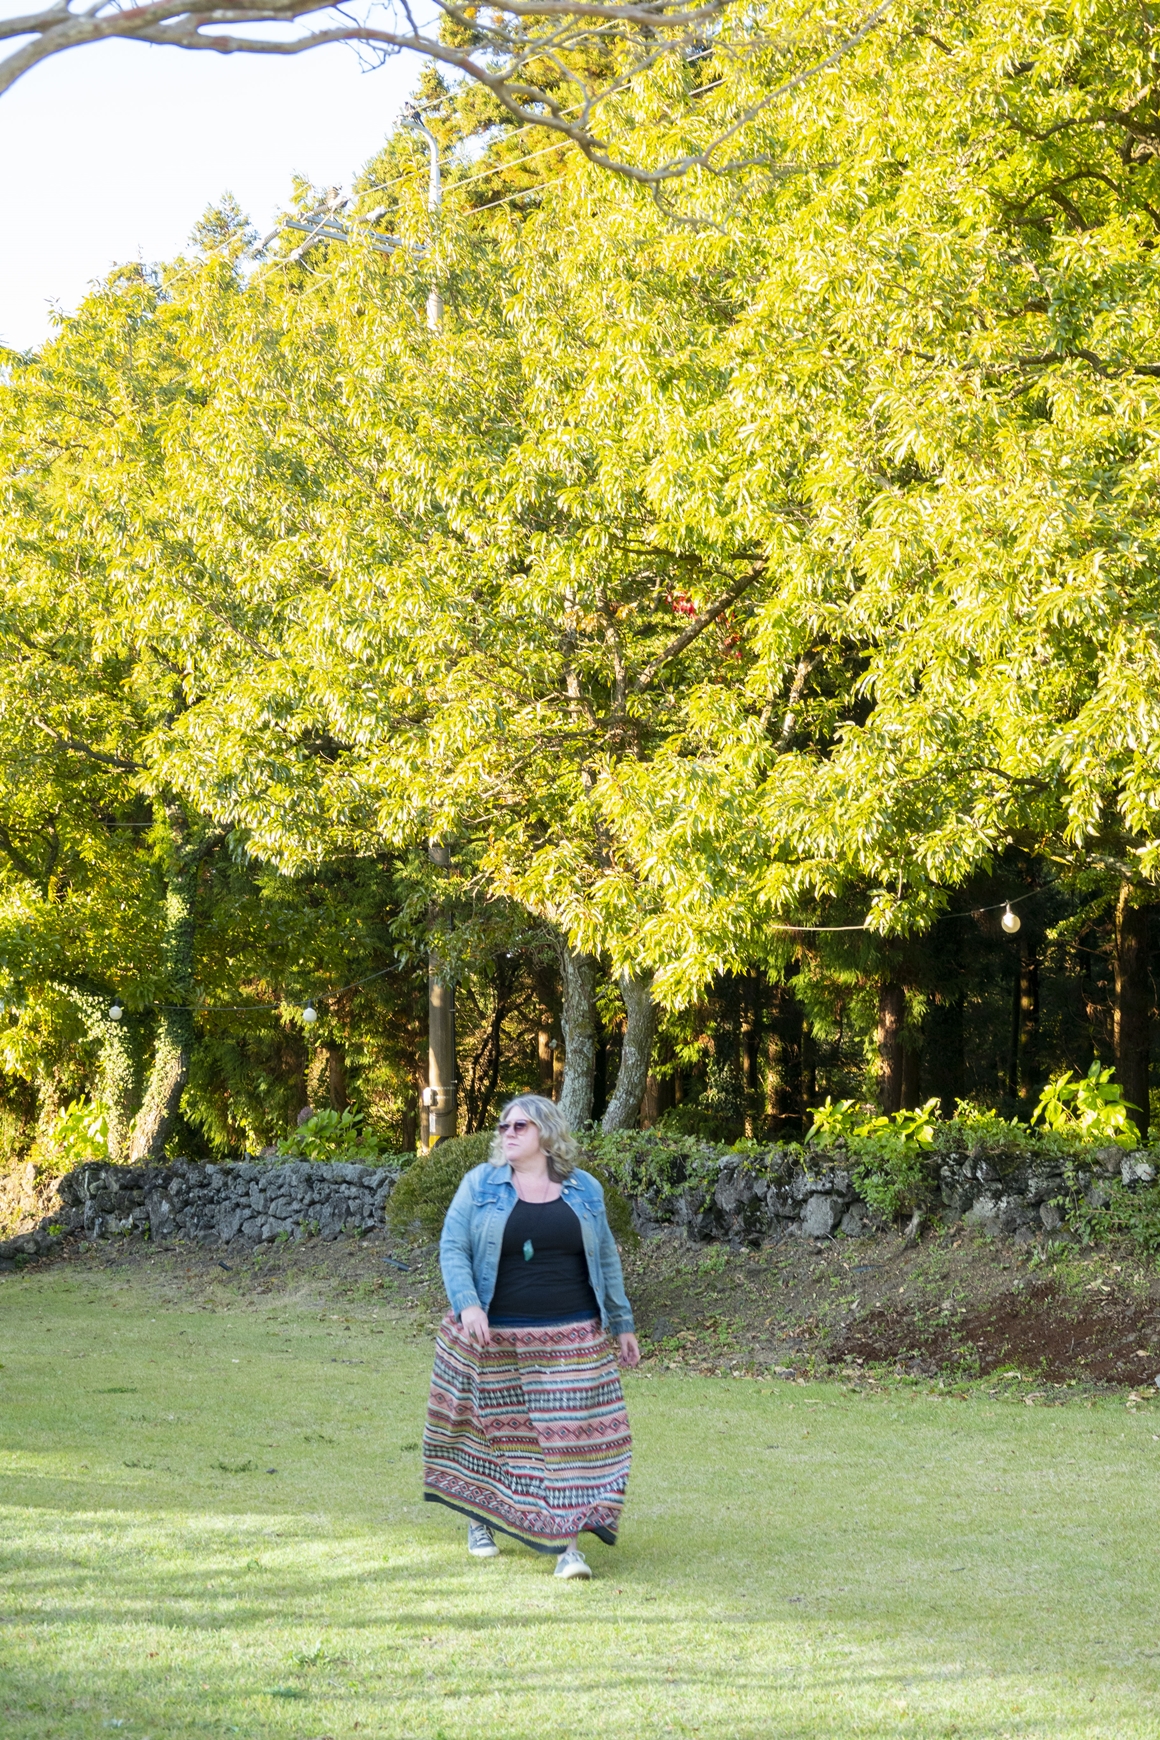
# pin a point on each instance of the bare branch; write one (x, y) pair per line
(698, 626)
(86, 749)
(506, 46)
(797, 688)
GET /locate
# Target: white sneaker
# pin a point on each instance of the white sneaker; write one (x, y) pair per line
(481, 1542)
(573, 1564)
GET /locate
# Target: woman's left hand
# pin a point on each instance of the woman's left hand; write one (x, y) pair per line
(629, 1351)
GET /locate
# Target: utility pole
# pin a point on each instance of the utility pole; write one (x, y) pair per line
(440, 1097)
(412, 119)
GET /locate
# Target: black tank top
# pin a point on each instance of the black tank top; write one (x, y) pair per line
(543, 1272)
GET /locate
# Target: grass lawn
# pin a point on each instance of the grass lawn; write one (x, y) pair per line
(210, 1525)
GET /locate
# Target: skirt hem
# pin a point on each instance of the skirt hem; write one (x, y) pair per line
(602, 1534)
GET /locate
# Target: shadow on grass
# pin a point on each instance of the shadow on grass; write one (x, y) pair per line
(257, 1643)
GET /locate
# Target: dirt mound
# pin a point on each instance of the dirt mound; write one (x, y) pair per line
(1041, 1331)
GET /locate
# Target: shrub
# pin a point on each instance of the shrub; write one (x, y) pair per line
(77, 1135)
(847, 1120)
(330, 1135)
(894, 1177)
(650, 1162)
(1089, 1109)
(423, 1194)
(616, 1204)
(1133, 1215)
(888, 1157)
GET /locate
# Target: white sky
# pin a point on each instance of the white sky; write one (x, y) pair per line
(112, 153)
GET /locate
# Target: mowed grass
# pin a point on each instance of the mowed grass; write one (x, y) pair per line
(796, 1560)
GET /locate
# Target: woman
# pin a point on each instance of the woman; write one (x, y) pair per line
(526, 1427)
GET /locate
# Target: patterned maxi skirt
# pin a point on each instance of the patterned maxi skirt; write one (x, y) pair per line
(529, 1435)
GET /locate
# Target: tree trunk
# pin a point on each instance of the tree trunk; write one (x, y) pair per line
(600, 1074)
(809, 1068)
(891, 1015)
(1023, 1066)
(173, 1041)
(1133, 1005)
(636, 1052)
(752, 1024)
(1029, 1083)
(442, 1119)
(547, 1036)
(578, 1019)
(784, 1052)
(544, 1060)
(944, 1052)
(336, 1076)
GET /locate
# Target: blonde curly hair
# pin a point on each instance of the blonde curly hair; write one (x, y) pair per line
(556, 1138)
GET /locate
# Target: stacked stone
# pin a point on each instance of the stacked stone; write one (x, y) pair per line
(216, 1204)
(773, 1196)
(748, 1204)
(1025, 1197)
(744, 1201)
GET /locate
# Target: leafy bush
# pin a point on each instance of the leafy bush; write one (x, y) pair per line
(1133, 1215)
(657, 1162)
(888, 1155)
(894, 1177)
(330, 1135)
(79, 1134)
(616, 1205)
(1091, 1109)
(423, 1194)
(848, 1122)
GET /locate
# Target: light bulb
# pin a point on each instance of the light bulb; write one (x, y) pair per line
(310, 1013)
(1010, 921)
(115, 1012)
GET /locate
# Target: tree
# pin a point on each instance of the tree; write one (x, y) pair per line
(562, 65)
(708, 584)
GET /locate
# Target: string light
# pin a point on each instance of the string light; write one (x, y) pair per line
(115, 1012)
(1010, 921)
(310, 1015)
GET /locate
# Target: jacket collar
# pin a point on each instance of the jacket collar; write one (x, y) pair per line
(502, 1174)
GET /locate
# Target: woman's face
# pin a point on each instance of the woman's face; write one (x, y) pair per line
(520, 1137)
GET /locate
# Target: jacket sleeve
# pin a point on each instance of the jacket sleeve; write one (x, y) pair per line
(617, 1309)
(455, 1250)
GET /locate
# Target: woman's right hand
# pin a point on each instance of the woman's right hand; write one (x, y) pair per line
(474, 1320)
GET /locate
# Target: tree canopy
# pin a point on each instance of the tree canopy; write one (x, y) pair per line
(709, 577)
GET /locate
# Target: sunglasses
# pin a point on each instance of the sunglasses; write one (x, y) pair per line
(517, 1127)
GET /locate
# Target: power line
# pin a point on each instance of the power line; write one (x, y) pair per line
(520, 193)
(500, 167)
(268, 1008)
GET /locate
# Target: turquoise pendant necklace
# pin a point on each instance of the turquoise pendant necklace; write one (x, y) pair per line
(529, 1250)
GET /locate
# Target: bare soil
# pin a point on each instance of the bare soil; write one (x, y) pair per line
(953, 1307)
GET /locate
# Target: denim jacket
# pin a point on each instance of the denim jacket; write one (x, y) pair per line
(469, 1247)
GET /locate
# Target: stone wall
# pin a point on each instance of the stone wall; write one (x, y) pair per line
(775, 1196)
(748, 1201)
(252, 1203)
